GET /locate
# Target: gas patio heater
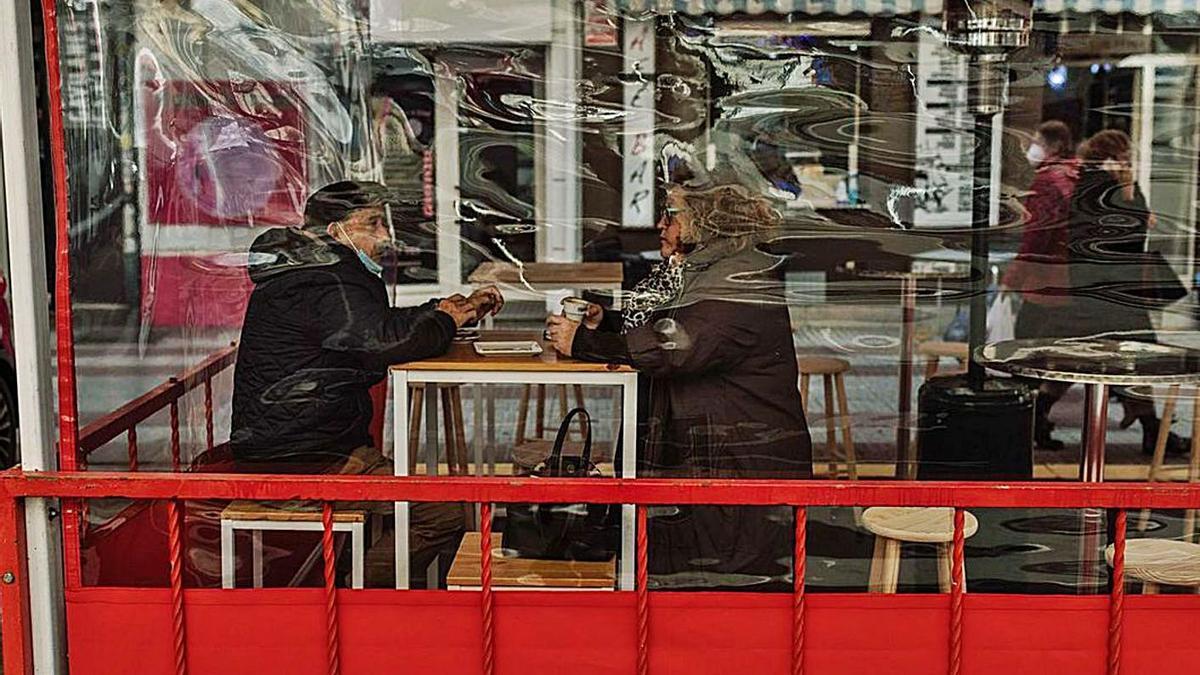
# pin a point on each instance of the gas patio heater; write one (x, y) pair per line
(959, 416)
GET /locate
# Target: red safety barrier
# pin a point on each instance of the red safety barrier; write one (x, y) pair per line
(207, 631)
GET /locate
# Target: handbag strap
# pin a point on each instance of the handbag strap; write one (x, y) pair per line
(560, 438)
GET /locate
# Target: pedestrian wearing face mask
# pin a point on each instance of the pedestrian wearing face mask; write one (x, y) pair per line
(1040, 272)
(1107, 226)
(318, 333)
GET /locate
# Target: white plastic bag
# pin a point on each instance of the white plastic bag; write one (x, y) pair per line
(1002, 318)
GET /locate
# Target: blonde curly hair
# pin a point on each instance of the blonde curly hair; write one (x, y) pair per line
(726, 211)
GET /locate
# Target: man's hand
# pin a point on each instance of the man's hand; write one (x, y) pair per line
(460, 309)
(560, 332)
(593, 316)
(487, 300)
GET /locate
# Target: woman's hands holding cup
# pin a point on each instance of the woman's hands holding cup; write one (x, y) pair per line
(560, 333)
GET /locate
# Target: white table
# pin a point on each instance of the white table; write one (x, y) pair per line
(461, 365)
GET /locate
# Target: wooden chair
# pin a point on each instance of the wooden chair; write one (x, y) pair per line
(893, 525)
(935, 350)
(452, 419)
(832, 373)
(1157, 562)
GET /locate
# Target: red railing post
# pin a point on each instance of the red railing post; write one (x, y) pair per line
(799, 570)
(175, 452)
(333, 638)
(642, 584)
(958, 586)
(208, 413)
(132, 447)
(175, 560)
(485, 588)
(14, 590)
(1116, 605)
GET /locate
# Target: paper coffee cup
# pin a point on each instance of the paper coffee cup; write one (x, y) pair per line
(574, 308)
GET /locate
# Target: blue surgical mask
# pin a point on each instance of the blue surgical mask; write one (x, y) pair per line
(372, 266)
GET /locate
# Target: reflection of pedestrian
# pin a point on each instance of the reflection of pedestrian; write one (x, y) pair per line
(716, 351)
(1109, 219)
(1039, 272)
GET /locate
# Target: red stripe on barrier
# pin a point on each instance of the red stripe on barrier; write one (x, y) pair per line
(649, 491)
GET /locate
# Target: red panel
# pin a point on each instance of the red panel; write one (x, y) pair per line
(282, 631)
(220, 153)
(195, 291)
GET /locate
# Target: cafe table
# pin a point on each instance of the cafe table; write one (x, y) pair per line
(461, 365)
(1097, 364)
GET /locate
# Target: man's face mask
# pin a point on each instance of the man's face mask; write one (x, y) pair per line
(368, 262)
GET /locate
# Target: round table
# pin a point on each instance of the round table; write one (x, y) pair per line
(1097, 364)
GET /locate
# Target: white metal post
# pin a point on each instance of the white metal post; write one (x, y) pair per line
(31, 326)
(445, 125)
(560, 238)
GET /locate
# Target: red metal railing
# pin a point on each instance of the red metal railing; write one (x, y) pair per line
(173, 488)
(125, 420)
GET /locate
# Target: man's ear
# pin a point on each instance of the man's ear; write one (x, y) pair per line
(332, 230)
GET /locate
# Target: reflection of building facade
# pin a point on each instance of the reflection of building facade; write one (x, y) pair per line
(533, 129)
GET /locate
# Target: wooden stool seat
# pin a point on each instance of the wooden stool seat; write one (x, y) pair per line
(1160, 561)
(940, 349)
(258, 517)
(893, 525)
(299, 512)
(935, 350)
(832, 372)
(822, 365)
(917, 524)
(526, 573)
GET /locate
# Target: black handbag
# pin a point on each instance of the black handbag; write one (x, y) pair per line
(584, 532)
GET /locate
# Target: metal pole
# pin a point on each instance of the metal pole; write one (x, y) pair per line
(980, 221)
(31, 327)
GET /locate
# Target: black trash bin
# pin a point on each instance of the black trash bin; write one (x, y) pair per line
(975, 434)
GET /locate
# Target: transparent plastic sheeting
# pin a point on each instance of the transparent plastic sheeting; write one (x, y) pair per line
(733, 185)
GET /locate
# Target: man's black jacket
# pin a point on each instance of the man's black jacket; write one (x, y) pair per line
(318, 334)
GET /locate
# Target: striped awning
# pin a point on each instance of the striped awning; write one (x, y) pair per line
(888, 7)
(814, 7)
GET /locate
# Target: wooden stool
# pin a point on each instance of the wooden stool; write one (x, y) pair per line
(452, 419)
(258, 517)
(1156, 562)
(893, 525)
(1160, 451)
(935, 350)
(525, 573)
(832, 371)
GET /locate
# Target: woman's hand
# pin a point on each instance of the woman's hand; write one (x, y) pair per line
(560, 332)
(593, 316)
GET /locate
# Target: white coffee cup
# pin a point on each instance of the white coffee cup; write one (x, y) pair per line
(574, 308)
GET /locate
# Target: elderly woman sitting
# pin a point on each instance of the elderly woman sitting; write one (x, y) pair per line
(710, 333)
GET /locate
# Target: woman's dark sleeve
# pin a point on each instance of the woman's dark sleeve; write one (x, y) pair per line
(601, 346)
(709, 336)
